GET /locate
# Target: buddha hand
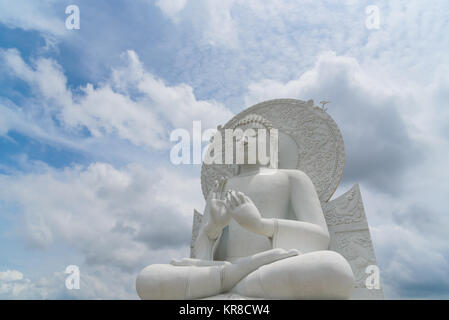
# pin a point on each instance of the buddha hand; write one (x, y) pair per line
(218, 212)
(245, 212)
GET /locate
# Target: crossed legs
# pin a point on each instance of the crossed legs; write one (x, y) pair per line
(275, 274)
(314, 275)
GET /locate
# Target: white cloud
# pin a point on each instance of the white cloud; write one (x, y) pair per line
(412, 264)
(13, 285)
(171, 7)
(77, 204)
(13, 289)
(280, 40)
(177, 105)
(212, 19)
(118, 220)
(33, 15)
(95, 282)
(110, 108)
(10, 275)
(368, 112)
(221, 28)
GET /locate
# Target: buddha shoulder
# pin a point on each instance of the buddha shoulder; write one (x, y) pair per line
(294, 174)
(297, 178)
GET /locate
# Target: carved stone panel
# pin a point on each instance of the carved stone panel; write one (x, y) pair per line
(350, 236)
(195, 230)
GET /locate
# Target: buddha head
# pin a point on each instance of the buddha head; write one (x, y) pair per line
(254, 139)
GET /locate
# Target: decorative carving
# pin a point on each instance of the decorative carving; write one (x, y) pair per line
(195, 230)
(346, 209)
(350, 236)
(356, 247)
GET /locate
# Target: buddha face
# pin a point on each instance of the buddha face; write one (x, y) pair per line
(253, 140)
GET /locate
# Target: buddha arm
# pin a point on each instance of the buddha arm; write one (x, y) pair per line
(206, 242)
(288, 234)
(309, 232)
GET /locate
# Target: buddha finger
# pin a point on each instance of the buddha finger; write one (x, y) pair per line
(214, 188)
(241, 197)
(221, 187)
(229, 203)
(216, 184)
(235, 200)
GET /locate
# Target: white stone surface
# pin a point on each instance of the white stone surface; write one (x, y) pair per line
(266, 232)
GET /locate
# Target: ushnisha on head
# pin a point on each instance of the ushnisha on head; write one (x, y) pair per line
(253, 121)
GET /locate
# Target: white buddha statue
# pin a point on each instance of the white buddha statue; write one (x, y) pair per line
(263, 235)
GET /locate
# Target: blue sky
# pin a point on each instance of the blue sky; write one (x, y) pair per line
(85, 119)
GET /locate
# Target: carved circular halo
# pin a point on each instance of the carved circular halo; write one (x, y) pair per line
(308, 130)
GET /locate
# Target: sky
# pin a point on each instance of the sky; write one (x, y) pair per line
(86, 116)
